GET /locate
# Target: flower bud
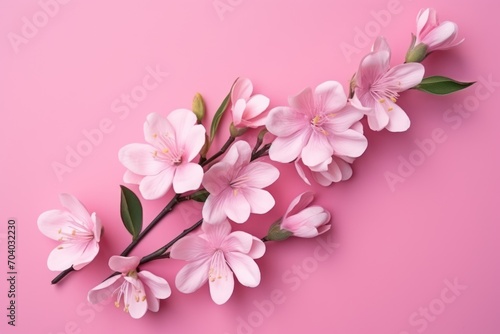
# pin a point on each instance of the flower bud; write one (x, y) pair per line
(235, 131)
(275, 232)
(416, 54)
(198, 107)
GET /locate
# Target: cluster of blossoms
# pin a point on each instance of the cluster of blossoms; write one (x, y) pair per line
(321, 131)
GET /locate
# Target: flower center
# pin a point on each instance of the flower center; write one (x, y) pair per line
(128, 290)
(381, 93)
(75, 232)
(167, 149)
(317, 123)
(218, 267)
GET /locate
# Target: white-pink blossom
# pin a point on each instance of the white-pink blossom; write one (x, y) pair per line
(235, 186)
(77, 231)
(136, 291)
(316, 125)
(213, 256)
(377, 86)
(247, 109)
(166, 160)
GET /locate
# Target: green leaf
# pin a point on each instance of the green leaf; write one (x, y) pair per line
(441, 85)
(131, 211)
(200, 196)
(219, 113)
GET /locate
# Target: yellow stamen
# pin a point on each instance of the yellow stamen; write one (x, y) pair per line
(155, 154)
(60, 230)
(393, 99)
(381, 100)
(235, 192)
(137, 298)
(74, 232)
(117, 304)
(60, 247)
(125, 309)
(143, 298)
(155, 135)
(390, 109)
(165, 150)
(315, 120)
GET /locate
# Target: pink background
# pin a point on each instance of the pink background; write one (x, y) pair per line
(394, 252)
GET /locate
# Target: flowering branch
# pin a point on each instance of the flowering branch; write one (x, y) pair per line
(320, 131)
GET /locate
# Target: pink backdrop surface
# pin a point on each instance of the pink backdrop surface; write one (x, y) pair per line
(418, 256)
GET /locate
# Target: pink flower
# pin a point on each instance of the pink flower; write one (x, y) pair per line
(235, 186)
(315, 126)
(173, 142)
(339, 169)
(77, 230)
(378, 87)
(336, 169)
(140, 290)
(247, 110)
(300, 220)
(435, 35)
(214, 256)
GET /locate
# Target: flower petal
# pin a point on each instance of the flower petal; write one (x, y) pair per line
(244, 267)
(213, 210)
(260, 201)
(237, 241)
(285, 121)
(222, 288)
(303, 102)
(258, 248)
(139, 159)
(398, 119)
(372, 67)
(238, 109)
(123, 264)
(349, 143)
(299, 203)
(155, 186)
(192, 276)
(379, 118)
(88, 254)
(404, 76)
(65, 255)
(187, 177)
(132, 178)
(301, 172)
(317, 150)
(158, 285)
(52, 222)
(193, 146)
(182, 120)
(239, 154)
(286, 149)
(255, 106)
(137, 307)
(96, 295)
(242, 89)
(190, 248)
(329, 97)
(155, 125)
(217, 178)
(76, 208)
(259, 174)
(237, 207)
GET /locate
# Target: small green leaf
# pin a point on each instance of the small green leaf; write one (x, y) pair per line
(218, 116)
(441, 85)
(131, 211)
(200, 196)
(219, 113)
